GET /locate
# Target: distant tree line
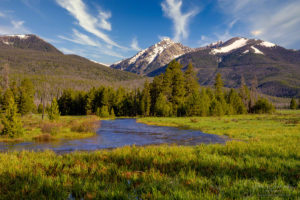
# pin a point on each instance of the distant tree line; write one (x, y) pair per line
(174, 93)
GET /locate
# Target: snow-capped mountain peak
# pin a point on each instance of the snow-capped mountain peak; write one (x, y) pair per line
(237, 43)
(158, 54)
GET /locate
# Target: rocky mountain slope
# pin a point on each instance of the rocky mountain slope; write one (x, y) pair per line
(276, 68)
(152, 58)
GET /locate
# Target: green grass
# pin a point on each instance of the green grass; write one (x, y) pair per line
(67, 127)
(261, 162)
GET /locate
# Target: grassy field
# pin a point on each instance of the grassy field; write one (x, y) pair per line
(262, 162)
(67, 127)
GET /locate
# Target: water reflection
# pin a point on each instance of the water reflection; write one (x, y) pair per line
(118, 133)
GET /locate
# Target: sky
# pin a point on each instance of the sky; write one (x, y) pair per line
(107, 31)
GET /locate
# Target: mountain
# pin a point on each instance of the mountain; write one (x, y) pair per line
(29, 41)
(152, 58)
(32, 57)
(277, 69)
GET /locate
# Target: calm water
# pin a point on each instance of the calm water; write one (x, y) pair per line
(118, 133)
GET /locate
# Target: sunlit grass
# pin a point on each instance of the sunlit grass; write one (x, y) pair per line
(261, 162)
(67, 127)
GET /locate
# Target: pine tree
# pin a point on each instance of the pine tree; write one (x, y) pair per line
(163, 107)
(53, 110)
(26, 97)
(103, 112)
(145, 100)
(112, 113)
(293, 104)
(12, 125)
(219, 96)
(235, 103)
(205, 102)
(216, 108)
(191, 83)
(244, 93)
(40, 108)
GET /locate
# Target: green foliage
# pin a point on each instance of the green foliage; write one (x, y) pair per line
(263, 106)
(12, 125)
(103, 112)
(293, 104)
(236, 105)
(26, 97)
(162, 106)
(145, 103)
(40, 108)
(53, 110)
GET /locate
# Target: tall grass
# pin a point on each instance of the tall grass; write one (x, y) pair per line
(261, 162)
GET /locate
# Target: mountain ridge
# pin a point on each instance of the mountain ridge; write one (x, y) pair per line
(276, 68)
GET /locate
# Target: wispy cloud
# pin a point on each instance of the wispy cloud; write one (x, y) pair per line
(277, 20)
(135, 45)
(87, 21)
(172, 10)
(80, 38)
(10, 25)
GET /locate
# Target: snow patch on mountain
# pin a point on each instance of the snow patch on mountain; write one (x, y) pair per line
(235, 45)
(257, 51)
(20, 36)
(134, 58)
(267, 44)
(247, 51)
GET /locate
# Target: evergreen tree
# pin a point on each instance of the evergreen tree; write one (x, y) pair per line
(236, 106)
(40, 108)
(155, 89)
(193, 104)
(89, 101)
(191, 83)
(53, 110)
(244, 93)
(293, 104)
(103, 112)
(145, 103)
(216, 108)
(12, 125)
(65, 102)
(163, 107)
(219, 96)
(112, 112)
(205, 101)
(26, 97)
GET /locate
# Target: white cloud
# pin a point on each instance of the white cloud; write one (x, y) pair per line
(256, 32)
(80, 38)
(172, 10)
(104, 16)
(2, 14)
(277, 21)
(13, 27)
(88, 22)
(134, 45)
(67, 51)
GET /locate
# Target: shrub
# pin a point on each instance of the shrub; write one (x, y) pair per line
(263, 106)
(50, 128)
(89, 126)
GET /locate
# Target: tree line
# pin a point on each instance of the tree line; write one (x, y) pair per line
(174, 93)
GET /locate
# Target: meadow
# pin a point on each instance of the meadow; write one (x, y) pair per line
(261, 161)
(67, 127)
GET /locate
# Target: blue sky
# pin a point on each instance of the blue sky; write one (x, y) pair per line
(110, 30)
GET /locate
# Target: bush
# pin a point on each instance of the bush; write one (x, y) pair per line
(89, 126)
(50, 128)
(263, 106)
